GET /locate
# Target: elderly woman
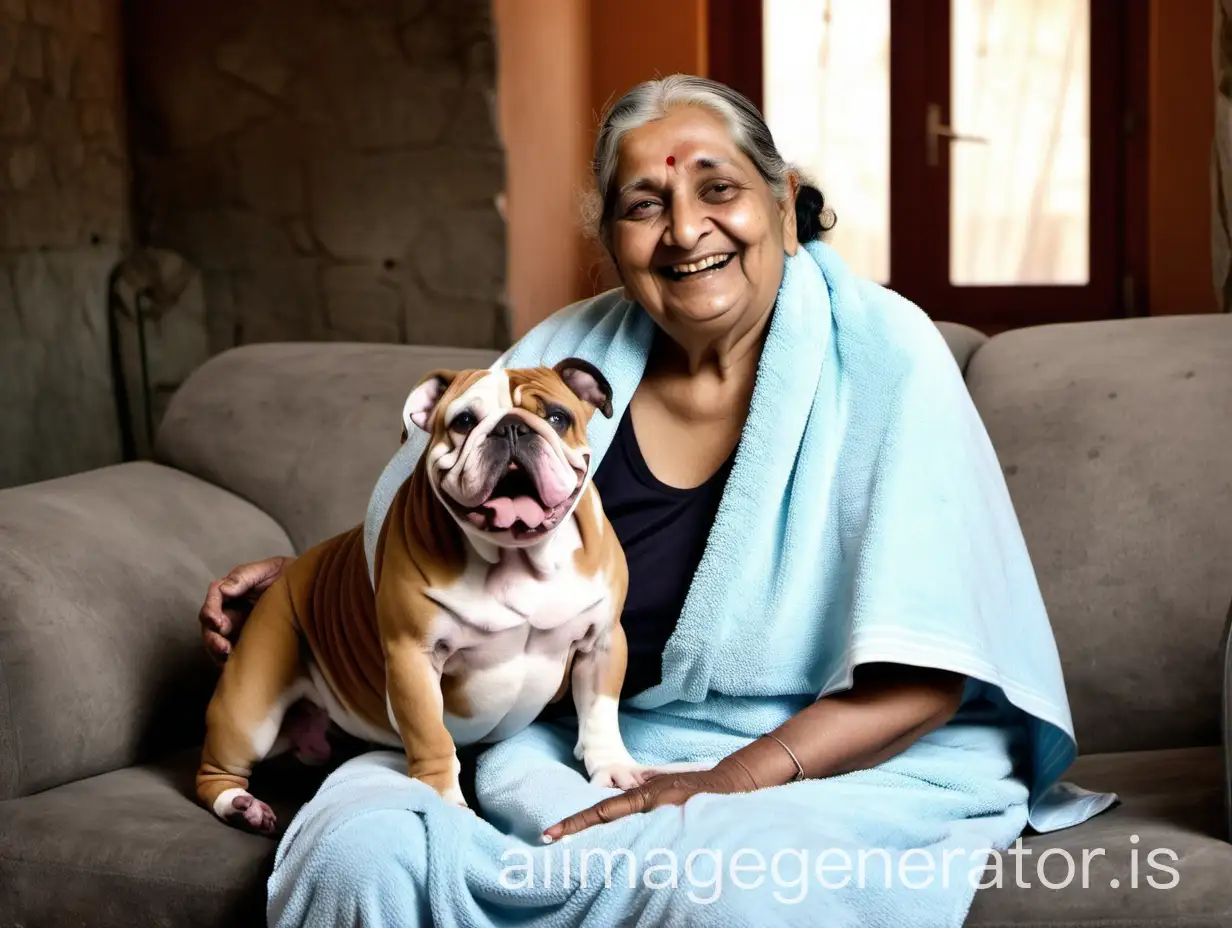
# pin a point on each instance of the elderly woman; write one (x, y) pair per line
(829, 602)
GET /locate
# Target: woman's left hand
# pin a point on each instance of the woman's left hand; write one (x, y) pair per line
(888, 707)
(668, 789)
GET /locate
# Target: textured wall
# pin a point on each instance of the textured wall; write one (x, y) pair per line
(63, 224)
(331, 166)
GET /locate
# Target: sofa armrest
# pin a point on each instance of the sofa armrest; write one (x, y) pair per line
(101, 577)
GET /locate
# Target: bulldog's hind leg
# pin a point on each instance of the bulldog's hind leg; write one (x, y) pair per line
(262, 678)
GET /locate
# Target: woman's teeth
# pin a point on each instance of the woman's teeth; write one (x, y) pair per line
(701, 265)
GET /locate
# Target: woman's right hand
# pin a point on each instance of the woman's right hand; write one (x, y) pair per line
(229, 601)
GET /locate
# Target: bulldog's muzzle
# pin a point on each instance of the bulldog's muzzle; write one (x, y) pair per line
(517, 480)
(508, 453)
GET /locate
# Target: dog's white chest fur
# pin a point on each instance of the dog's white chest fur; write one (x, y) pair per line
(505, 631)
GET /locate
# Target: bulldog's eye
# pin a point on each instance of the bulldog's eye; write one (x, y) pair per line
(558, 419)
(463, 422)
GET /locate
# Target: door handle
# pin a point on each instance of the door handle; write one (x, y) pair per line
(934, 129)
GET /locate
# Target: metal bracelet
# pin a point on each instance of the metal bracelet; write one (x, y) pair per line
(792, 754)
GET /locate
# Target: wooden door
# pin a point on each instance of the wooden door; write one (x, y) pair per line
(983, 157)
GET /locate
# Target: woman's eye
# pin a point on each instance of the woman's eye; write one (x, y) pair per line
(640, 208)
(463, 422)
(719, 193)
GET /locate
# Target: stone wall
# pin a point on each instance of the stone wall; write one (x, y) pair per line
(63, 224)
(331, 166)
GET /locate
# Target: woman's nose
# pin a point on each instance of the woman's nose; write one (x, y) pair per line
(685, 225)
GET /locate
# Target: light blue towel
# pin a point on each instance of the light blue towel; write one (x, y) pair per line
(865, 519)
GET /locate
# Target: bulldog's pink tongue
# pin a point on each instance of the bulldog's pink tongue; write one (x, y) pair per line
(506, 511)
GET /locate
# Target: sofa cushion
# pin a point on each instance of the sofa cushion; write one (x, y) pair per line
(131, 847)
(1116, 442)
(963, 341)
(1172, 803)
(301, 430)
(101, 659)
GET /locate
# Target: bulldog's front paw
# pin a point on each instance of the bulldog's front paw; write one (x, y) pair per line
(632, 775)
(620, 776)
(447, 788)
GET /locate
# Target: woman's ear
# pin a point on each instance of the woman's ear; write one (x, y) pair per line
(787, 206)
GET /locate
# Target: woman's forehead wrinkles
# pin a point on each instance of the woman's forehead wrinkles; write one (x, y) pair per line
(700, 163)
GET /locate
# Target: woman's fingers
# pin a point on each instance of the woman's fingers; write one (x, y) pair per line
(663, 789)
(211, 614)
(218, 621)
(220, 624)
(253, 577)
(627, 803)
(218, 647)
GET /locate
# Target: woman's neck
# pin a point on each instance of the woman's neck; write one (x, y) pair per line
(728, 355)
(710, 376)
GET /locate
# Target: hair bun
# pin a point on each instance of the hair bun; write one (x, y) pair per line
(810, 210)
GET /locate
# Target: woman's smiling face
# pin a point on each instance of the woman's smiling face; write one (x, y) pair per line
(696, 232)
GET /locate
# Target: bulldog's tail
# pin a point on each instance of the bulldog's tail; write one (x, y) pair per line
(262, 678)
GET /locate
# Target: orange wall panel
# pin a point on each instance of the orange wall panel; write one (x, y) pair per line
(561, 63)
(544, 110)
(632, 41)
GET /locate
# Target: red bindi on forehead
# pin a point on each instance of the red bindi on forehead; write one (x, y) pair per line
(671, 160)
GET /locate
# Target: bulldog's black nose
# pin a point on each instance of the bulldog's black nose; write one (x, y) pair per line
(512, 428)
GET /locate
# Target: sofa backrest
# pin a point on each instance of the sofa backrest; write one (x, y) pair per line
(1116, 443)
(304, 430)
(1115, 439)
(301, 430)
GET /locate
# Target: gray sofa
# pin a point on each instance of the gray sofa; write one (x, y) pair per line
(1116, 441)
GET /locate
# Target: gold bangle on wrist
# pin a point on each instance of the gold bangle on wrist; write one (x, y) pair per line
(792, 754)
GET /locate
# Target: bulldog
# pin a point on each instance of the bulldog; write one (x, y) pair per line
(498, 584)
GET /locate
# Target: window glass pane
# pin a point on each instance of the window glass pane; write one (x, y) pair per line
(1019, 202)
(827, 101)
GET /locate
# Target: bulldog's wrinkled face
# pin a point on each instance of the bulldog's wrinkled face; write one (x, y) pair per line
(508, 453)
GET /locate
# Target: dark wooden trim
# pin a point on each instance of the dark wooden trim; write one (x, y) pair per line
(1106, 88)
(1135, 154)
(919, 205)
(996, 308)
(734, 46)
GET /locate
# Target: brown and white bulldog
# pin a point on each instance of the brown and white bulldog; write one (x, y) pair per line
(498, 581)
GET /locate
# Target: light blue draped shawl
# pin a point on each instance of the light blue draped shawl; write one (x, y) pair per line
(866, 519)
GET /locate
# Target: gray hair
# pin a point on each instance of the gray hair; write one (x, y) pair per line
(651, 100)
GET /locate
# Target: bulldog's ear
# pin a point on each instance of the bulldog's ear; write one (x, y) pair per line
(584, 379)
(423, 399)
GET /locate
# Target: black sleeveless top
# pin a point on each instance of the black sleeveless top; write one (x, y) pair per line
(663, 531)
